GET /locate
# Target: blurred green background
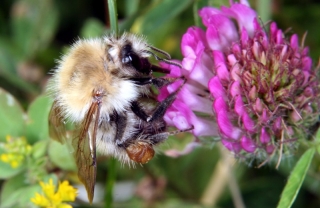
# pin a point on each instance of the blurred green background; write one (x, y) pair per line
(35, 33)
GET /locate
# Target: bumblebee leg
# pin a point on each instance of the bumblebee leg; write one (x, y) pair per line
(121, 122)
(142, 80)
(137, 109)
(160, 137)
(158, 82)
(159, 69)
(157, 113)
(159, 110)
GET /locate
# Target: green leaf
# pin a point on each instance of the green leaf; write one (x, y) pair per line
(37, 125)
(8, 66)
(34, 27)
(92, 28)
(12, 117)
(159, 14)
(17, 193)
(127, 23)
(131, 7)
(296, 179)
(318, 135)
(317, 140)
(21, 197)
(11, 185)
(6, 171)
(61, 156)
(39, 149)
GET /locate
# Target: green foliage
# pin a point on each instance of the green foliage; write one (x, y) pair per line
(22, 181)
(37, 123)
(32, 26)
(16, 188)
(7, 171)
(12, 117)
(92, 28)
(296, 179)
(61, 156)
(33, 23)
(34, 33)
(17, 193)
(155, 17)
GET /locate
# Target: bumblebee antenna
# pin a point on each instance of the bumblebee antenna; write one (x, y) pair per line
(160, 51)
(162, 59)
(172, 63)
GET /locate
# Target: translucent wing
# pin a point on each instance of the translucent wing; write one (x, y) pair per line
(84, 145)
(57, 130)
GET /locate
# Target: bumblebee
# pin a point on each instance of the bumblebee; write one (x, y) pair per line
(103, 86)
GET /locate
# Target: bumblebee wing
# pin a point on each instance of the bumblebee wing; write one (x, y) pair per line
(84, 145)
(57, 129)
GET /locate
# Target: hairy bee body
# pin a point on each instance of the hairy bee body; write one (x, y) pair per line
(103, 86)
(134, 130)
(93, 65)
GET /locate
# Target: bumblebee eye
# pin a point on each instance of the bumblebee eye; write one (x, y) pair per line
(126, 59)
(129, 57)
(133, 59)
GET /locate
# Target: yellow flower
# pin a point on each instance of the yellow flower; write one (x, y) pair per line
(67, 190)
(40, 200)
(52, 199)
(16, 151)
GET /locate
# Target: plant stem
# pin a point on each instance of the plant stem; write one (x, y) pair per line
(195, 14)
(222, 175)
(264, 9)
(111, 177)
(113, 16)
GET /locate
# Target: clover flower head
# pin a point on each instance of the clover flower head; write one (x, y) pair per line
(253, 88)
